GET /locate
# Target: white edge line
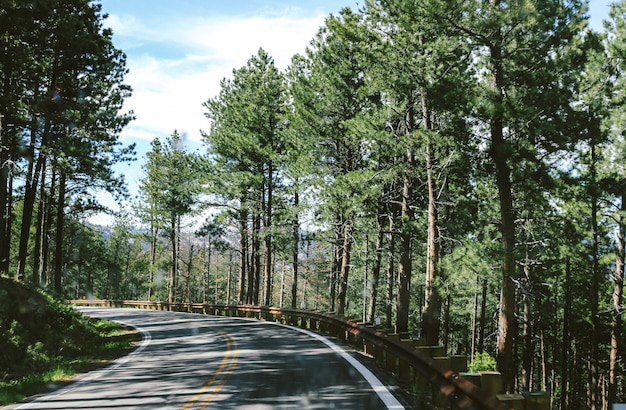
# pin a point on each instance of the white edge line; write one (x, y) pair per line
(96, 374)
(381, 390)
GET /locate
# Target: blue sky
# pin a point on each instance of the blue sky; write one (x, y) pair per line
(179, 50)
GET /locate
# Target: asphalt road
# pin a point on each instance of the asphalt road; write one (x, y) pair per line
(188, 361)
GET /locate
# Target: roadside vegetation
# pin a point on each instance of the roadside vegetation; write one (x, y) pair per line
(44, 342)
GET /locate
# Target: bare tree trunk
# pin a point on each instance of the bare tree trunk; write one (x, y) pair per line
(405, 262)
(565, 349)
(243, 257)
(345, 267)
(187, 297)
(256, 259)
(391, 276)
(230, 278)
(5, 193)
(152, 269)
(475, 320)
(337, 255)
(35, 165)
(171, 296)
(296, 247)
(507, 323)
(528, 351)
(40, 232)
(269, 266)
(595, 279)
(431, 315)
(58, 254)
(616, 322)
(380, 240)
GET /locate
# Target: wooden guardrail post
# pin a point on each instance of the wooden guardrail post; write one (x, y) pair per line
(512, 401)
(491, 382)
(537, 400)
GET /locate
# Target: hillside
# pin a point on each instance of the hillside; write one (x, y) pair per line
(43, 340)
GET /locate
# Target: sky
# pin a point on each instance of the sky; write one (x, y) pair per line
(178, 51)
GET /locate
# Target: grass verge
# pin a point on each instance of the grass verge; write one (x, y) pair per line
(112, 340)
(44, 341)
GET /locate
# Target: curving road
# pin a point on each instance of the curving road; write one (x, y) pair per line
(188, 361)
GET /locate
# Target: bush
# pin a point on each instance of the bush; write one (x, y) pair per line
(482, 362)
(36, 330)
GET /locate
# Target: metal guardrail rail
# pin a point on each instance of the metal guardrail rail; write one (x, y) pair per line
(412, 366)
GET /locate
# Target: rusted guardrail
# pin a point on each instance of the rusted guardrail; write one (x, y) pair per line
(411, 365)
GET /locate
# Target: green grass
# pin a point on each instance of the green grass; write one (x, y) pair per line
(113, 341)
(43, 341)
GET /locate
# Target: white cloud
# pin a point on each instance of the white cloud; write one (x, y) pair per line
(168, 92)
(177, 65)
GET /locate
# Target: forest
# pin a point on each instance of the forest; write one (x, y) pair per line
(452, 169)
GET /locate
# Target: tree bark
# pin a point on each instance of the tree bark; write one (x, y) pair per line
(336, 265)
(391, 274)
(296, 247)
(35, 163)
(5, 233)
(507, 324)
(171, 296)
(528, 351)
(595, 279)
(346, 254)
(616, 322)
(268, 235)
(406, 215)
(243, 257)
(256, 258)
(404, 265)
(431, 315)
(565, 349)
(58, 254)
(380, 240)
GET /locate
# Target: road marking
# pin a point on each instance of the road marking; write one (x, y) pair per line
(381, 390)
(230, 359)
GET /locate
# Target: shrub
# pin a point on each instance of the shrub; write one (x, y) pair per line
(482, 362)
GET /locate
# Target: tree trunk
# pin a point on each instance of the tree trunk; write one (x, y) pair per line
(5, 233)
(595, 279)
(336, 265)
(243, 257)
(269, 266)
(483, 319)
(39, 233)
(380, 240)
(406, 215)
(171, 297)
(498, 151)
(152, 268)
(431, 316)
(616, 322)
(230, 277)
(35, 163)
(188, 278)
(565, 349)
(58, 254)
(528, 351)
(256, 258)
(345, 267)
(296, 247)
(391, 275)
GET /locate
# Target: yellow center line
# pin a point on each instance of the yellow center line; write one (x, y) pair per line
(230, 356)
(217, 388)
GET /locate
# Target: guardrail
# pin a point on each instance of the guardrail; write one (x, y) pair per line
(414, 368)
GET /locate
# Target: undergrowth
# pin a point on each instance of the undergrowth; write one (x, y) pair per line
(43, 341)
